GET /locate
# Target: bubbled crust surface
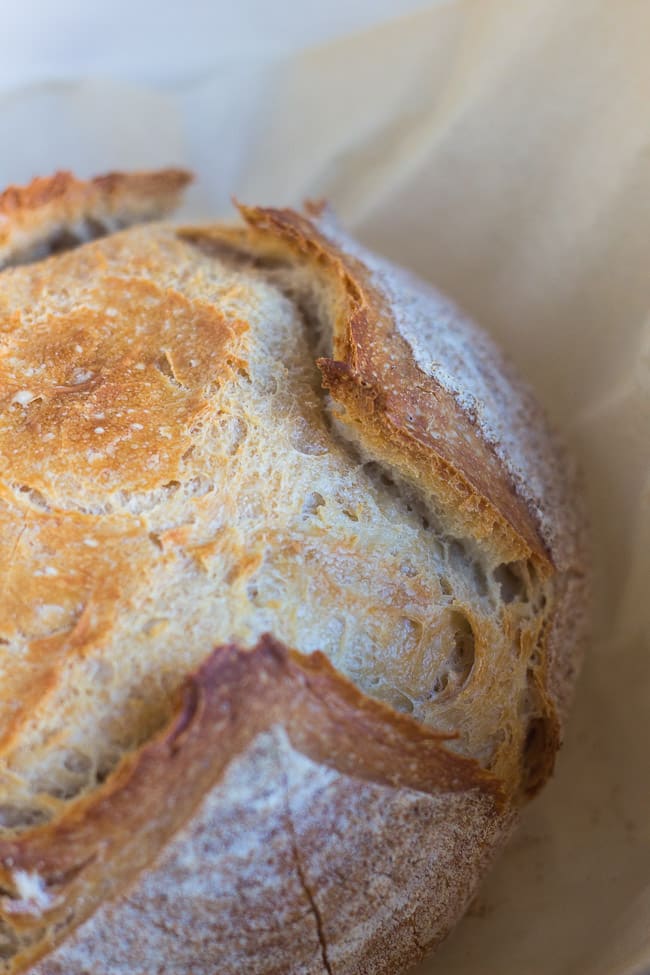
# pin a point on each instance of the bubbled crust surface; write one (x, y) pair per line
(203, 490)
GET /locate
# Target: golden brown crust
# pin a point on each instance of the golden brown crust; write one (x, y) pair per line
(101, 386)
(392, 788)
(415, 426)
(402, 412)
(87, 596)
(235, 696)
(40, 216)
(157, 378)
(406, 418)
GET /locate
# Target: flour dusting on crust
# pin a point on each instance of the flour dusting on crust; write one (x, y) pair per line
(451, 349)
(347, 879)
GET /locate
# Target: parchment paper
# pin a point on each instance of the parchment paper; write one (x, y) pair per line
(501, 148)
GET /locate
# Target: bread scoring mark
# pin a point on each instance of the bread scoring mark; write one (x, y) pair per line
(432, 675)
(58, 213)
(405, 416)
(116, 386)
(430, 652)
(328, 735)
(448, 642)
(233, 697)
(416, 427)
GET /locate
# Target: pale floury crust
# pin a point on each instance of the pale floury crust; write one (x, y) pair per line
(210, 433)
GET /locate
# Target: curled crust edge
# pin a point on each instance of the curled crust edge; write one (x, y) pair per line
(399, 415)
(97, 848)
(399, 412)
(164, 781)
(41, 217)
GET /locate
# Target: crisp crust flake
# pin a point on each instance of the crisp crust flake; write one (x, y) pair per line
(402, 413)
(39, 217)
(54, 876)
(235, 696)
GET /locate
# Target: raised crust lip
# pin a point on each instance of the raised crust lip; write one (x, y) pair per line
(31, 215)
(389, 400)
(400, 407)
(233, 697)
(238, 693)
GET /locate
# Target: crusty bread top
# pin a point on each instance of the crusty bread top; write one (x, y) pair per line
(402, 413)
(56, 212)
(176, 478)
(106, 838)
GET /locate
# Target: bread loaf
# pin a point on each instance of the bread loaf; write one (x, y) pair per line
(292, 600)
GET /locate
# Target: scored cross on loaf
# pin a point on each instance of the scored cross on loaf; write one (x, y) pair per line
(292, 592)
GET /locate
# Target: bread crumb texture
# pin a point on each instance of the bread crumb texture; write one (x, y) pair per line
(209, 434)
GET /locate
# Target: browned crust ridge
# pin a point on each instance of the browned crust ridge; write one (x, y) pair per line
(401, 412)
(96, 849)
(409, 421)
(53, 206)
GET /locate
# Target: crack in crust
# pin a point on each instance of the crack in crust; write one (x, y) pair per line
(97, 846)
(313, 906)
(235, 696)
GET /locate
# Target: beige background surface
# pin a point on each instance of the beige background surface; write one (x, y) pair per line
(501, 148)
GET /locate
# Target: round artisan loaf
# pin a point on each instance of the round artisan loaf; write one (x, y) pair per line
(293, 593)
